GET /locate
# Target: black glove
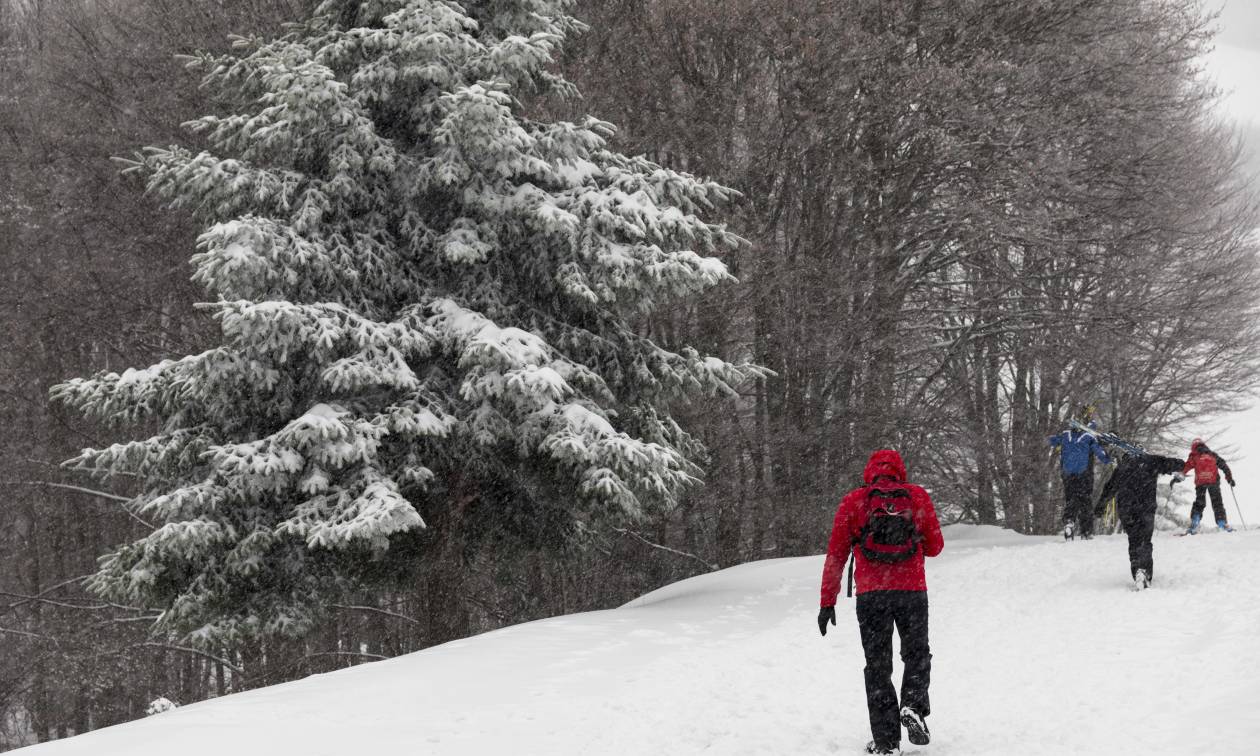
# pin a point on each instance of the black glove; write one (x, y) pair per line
(825, 615)
(1231, 482)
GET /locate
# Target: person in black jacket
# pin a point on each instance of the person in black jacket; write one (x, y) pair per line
(1133, 485)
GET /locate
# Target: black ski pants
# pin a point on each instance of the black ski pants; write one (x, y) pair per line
(1140, 526)
(877, 613)
(1077, 491)
(1218, 505)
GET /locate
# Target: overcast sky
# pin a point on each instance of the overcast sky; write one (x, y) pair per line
(1236, 62)
(1240, 22)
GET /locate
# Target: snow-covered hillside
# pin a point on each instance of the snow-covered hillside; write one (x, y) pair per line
(1039, 648)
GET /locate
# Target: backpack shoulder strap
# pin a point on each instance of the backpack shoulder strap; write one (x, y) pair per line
(852, 559)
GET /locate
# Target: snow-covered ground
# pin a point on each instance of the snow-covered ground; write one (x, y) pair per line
(1039, 648)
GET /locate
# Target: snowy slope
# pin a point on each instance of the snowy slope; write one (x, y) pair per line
(1039, 648)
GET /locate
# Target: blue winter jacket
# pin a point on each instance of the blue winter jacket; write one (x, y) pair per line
(1077, 446)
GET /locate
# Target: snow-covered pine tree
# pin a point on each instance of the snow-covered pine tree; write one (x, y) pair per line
(425, 298)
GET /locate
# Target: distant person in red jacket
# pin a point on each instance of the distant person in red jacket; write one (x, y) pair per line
(889, 525)
(1207, 466)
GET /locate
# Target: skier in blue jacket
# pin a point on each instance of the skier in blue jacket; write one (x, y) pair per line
(1076, 451)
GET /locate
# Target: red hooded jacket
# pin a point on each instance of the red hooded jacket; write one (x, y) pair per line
(1206, 464)
(851, 516)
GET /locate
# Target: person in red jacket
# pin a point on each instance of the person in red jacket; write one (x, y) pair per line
(889, 525)
(1207, 466)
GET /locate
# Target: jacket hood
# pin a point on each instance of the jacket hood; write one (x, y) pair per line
(884, 462)
(1197, 445)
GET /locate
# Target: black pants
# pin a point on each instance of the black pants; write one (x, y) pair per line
(1140, 527)
(877, 613)
(1218, 506)
(1077, 491)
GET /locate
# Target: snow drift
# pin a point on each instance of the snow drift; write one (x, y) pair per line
(1039, 648)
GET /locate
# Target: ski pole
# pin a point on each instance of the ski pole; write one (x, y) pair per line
(1237, 508)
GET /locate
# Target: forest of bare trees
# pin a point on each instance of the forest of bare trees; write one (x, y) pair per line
(963, 219)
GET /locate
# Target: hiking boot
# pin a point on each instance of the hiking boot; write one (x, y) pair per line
(1068, 530)
(916, 728)
(1194, 526)
(1141, 581)
(872, 748)
(1222, 525)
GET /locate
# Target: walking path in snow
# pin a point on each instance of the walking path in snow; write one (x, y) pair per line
(1039, 648)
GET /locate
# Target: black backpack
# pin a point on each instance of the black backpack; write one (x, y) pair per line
(890, 525)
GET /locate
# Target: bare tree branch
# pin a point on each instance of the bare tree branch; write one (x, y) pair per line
(375, 610)
(676, 552)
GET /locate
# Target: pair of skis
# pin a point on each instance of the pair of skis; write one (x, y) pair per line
(1110, 439)
(1200, 532)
